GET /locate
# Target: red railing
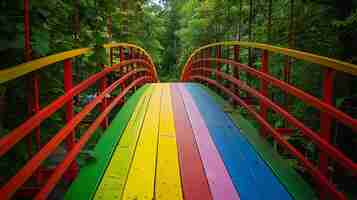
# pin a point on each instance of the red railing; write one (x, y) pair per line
(133, 67)
(203, 68)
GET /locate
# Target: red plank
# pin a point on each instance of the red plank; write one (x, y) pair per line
(194, 181)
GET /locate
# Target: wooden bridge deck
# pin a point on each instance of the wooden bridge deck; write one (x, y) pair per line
(174, 141)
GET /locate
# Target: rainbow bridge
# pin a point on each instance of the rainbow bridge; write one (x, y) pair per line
(186, 140)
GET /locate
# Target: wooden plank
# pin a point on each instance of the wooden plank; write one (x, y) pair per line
(84, 186)
(140, 183)
(113, 181)
(168, 181)
(194, 181)
(250, 174)
(218, 178)
(294, 183)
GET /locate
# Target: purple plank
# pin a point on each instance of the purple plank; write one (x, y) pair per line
(217, 175)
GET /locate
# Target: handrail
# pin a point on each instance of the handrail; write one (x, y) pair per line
(28, 67)
(61, 168)
(116, 45)
(12, 138)
(307, 98)
(322, 144)
(313, 58)
(317, 175)
(136, 69)
(202, 67)
(31, 166)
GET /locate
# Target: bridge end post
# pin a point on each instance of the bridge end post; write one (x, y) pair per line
(264, 89)
(70, 141)
(326, 124)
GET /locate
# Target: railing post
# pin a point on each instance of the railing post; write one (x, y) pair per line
(326, 122)
(264, 88)
(201, 63)
(103, 86)
(111, 56)
(130, 56)
(70, 141)
(236, 57)
(210, 63)
(122, 58)
(218, 65)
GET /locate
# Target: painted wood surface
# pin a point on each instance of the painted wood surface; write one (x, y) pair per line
(218, 178)
(84, 186)
(193, 176)
(250, 174)
(114, 179)
(292, 181)
(168, 180)
(141, 179)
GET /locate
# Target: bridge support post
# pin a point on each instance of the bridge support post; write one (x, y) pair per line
(326, 123)
(103, 86)
(70, 141)
(111, 56)
(236, 57)
(210, 63)
(218, 65)
(264, 89)
(122, 58)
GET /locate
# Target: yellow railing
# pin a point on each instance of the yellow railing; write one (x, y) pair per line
(25, 68)
(312, 58)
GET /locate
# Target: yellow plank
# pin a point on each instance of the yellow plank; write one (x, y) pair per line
(168, 182)
(113, 181)
(140, 182)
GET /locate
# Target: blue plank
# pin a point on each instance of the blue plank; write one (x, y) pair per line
(249, 172)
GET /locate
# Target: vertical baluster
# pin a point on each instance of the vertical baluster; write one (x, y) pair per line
(264, 88)
(210, 63)
(122, 58)
(218, 65)
(236, 49)
(70, 141)
(103, 105)
(326, 123)
(111, 56)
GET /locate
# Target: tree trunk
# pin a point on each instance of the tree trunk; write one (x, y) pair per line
(269, 25)
(250, 56)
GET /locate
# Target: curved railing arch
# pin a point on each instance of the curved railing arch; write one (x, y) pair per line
(136, 68)
(28, 67)
(202, 67)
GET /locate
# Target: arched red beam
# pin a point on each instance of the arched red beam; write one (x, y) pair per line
(9, 189)
(12, 138)
(322, 144)
(307, 98)
(71, 156)
(316, 174)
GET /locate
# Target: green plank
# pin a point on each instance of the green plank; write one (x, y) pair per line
(85, 185)
(114, 179)
(292, 181)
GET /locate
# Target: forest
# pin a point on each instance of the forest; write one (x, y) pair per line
(170, 30)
